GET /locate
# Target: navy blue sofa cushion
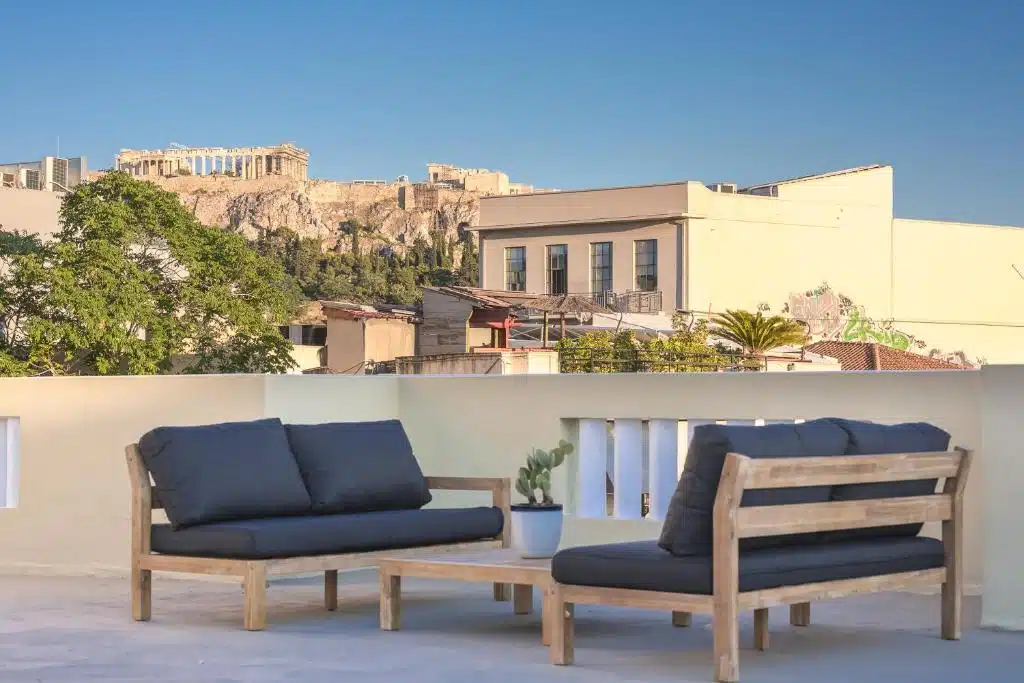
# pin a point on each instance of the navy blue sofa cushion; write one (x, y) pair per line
(233, 470)
(869, 438)
(688, 523)
(256, 539)
(643, 565)
(358, 466)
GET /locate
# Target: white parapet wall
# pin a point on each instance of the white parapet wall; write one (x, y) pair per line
(71, 487)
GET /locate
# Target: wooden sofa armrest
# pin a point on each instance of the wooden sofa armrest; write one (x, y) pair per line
(501, 496)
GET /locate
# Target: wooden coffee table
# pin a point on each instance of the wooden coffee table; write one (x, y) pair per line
(502, 565)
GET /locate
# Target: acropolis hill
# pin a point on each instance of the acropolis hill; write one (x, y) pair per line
(254, 189)
(316, 208)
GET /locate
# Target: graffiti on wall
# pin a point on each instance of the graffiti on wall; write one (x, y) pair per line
(832, 315)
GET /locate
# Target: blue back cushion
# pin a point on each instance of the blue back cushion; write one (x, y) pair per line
(688, 526)
(220, 472)
(869, 438)
(358, 466)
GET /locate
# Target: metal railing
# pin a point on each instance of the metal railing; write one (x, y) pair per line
(633, 301)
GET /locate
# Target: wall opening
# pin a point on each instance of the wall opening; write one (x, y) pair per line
(8, 462)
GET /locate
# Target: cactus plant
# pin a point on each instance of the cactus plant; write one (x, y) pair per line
(536, 475)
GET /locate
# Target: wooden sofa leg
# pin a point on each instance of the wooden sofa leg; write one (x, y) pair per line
(952, 609)
(681, 619)
(331, 589)
(727, 645)
(254, 586)
(142, 594)
(761, 628)
(562, 629)
(502, 592)
(800, 614)
(390, 601)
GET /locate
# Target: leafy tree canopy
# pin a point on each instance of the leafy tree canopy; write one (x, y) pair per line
(134, 284)
(686, 350)
(13, 243)
(755, 333)
(378, 275)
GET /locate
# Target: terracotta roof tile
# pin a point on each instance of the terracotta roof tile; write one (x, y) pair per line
(871, 356)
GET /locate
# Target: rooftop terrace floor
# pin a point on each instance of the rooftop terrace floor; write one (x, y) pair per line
(78, 629)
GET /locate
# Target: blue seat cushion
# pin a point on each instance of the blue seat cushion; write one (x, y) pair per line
(688, 523)
(257, 539)
(642, 565)
(358, 466)
(869, 438)
(219, 472)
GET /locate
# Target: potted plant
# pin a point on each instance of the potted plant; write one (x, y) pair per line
(537, 524)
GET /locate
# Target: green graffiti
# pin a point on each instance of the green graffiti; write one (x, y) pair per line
(860, 328)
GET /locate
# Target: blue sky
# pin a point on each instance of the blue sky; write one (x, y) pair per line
(563, 93)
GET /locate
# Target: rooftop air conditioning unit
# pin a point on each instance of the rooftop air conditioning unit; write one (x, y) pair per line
(725, 188)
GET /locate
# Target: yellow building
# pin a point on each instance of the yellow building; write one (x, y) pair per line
(939, 288)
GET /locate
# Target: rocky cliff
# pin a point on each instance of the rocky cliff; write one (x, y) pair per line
(316, 208)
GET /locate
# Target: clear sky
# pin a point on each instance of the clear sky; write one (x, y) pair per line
(562, 93)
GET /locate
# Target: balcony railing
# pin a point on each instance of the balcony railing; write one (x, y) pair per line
(632, 301)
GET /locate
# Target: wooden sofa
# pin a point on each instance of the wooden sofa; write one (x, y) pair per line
(255, 572)
(732, 523)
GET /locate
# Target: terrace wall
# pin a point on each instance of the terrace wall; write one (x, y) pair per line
(71, 512)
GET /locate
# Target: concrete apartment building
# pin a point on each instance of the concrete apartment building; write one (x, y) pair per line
(51, 174)
(946, 287)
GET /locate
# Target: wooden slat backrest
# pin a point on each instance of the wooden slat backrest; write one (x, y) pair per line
(772, 520)
(851, 469)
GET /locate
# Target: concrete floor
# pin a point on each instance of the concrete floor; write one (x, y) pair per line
(78, 629)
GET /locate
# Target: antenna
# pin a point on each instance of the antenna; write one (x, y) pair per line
(58, 146)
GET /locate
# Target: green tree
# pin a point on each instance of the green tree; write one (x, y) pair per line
(755, 333)
(134, 284)
(16, 242)
(469, 264)
(686, 350)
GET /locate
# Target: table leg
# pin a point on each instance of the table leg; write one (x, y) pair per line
(522, 598)
(547, 612)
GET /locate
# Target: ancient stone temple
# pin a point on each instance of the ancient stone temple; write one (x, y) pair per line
(240, 162)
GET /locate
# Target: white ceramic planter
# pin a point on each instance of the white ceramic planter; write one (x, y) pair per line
(536, 531)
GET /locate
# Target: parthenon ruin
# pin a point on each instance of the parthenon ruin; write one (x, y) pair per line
(241, 162)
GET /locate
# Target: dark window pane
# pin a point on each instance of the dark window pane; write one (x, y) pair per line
(600, 267)
(557, 270)
(515, 269)
(645, 258)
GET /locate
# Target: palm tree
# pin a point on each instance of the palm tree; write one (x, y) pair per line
(755, 333)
